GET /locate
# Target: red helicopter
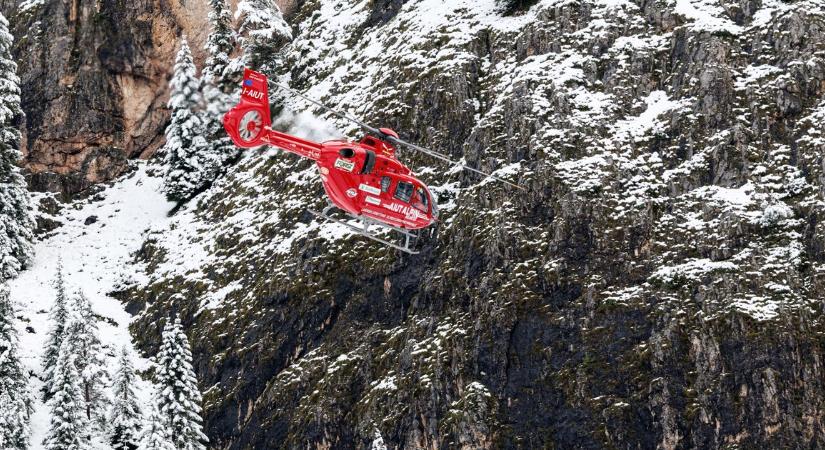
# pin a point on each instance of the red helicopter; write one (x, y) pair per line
(364, 179)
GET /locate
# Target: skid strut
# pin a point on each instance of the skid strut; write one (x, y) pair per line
(364, 229)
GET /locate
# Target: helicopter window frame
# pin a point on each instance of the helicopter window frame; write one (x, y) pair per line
(406, 195)
(433, 203)
(386, 183)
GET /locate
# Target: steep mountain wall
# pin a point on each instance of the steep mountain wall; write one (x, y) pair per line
(94, 77)
(660, 284)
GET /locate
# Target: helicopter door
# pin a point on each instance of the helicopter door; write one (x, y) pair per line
(369, 163)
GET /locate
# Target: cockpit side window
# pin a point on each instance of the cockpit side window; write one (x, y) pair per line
(404, 191)
(385, 184)
(420, 200)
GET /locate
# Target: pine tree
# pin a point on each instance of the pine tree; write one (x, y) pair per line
(187, 163)
(125, 417)
(219, 69)
(17, 231)
(15, 399)
(178, 398)
(83, 338)
(69, 429)
(263, 32)
(58, 316)
(220, 86)
(155, 436)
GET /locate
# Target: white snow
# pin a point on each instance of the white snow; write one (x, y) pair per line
(585, 174)
(658, 103)
(96, 260)
(692, 270)
(740, 196)
(752, 74)
(27, 5)
(706, 15)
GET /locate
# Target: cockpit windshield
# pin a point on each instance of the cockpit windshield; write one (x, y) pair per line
(420, 200)
(417, 196)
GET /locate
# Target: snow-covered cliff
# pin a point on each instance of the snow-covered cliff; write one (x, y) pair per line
(660, 283)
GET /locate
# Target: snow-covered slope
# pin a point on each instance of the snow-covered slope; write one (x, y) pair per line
(96, 259)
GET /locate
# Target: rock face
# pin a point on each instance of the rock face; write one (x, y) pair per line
(659, 285)
(94, 77)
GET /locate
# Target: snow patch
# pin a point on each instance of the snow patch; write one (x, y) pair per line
(658, 103)
(706, 15)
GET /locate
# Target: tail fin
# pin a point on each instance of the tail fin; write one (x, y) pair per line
(255, 91)
(248, 121)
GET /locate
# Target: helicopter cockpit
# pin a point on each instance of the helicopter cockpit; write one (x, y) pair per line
(415, 195)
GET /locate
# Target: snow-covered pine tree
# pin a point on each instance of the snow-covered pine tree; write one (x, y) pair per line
(57, 316)
(220, 85)
(69, 429)
(83, 338)
(179, 400)
(17, 233)
(155, 436)
(262, 33)
(186, 160)
(15, 399)
(125, 418)
(219, 69)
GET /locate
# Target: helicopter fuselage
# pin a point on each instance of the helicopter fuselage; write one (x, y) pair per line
(365, 179)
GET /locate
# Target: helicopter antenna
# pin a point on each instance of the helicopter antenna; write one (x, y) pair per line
(393, 139)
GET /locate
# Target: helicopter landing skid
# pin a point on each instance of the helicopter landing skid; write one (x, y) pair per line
(364, 229)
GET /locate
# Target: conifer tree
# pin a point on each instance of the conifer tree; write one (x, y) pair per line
(219, 69)
(262, 33)
(220, 86)
(58, 316)
(125, 417)
(69, 429)
(15, 399)
(155, 436)
(179, 400)
(188, 165)
(17, 232)
(83, 338)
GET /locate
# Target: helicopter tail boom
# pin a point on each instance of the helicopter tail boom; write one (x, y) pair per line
(292, 144)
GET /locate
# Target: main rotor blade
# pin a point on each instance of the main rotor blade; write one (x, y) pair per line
(445, 158)
(328, 109)
(392, 139)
